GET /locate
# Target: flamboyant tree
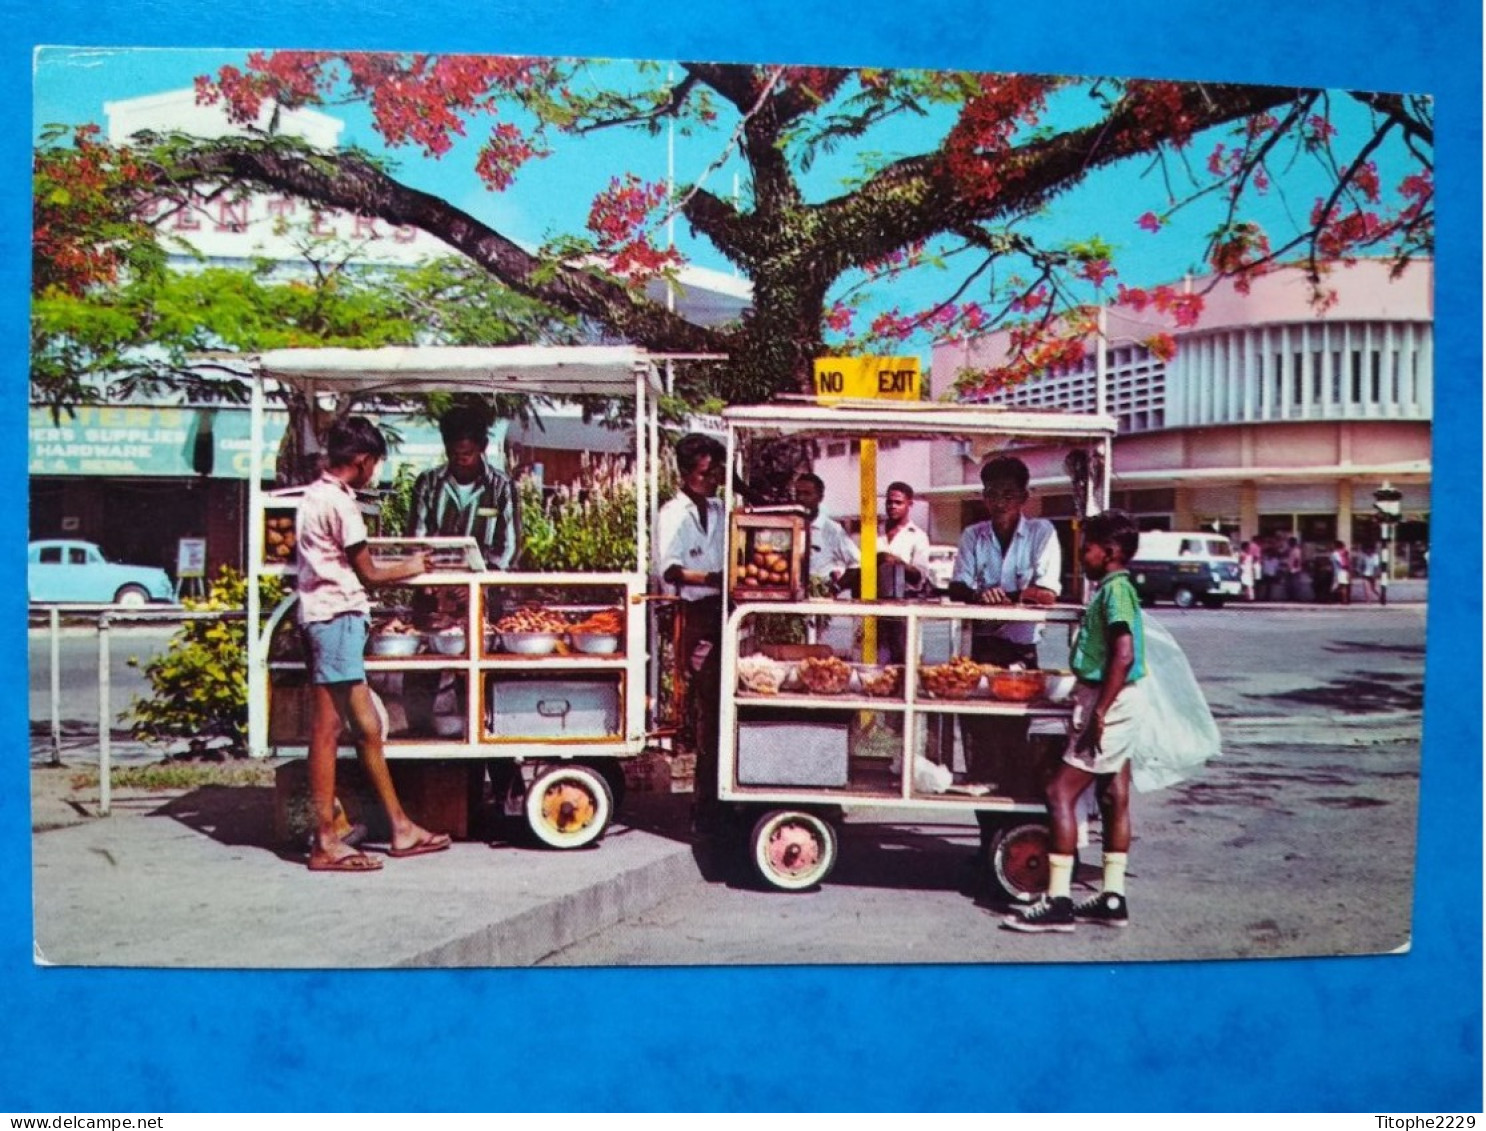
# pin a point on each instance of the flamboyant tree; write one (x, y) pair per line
(999, 151)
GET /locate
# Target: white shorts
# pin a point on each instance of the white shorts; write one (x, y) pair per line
(1122, 728)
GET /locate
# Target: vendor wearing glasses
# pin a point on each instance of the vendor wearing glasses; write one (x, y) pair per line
(1009, 559)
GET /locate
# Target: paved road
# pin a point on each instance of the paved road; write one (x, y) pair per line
(79, 671)
(1299, 841)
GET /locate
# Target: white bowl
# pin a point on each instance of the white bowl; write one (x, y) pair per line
(529, 643)
(447, 643)
(400, 644)
(595, 643)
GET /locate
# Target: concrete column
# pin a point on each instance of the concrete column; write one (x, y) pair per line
(1344, 511)
(1182, 518)
(1248, 508)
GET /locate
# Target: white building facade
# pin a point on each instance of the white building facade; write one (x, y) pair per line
(1272, 418)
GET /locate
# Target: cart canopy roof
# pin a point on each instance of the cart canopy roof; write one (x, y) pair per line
(607, 371)
(917, 419)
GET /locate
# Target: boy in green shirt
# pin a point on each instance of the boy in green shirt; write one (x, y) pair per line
(1108, 717)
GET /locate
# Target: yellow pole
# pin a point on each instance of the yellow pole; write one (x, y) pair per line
(869, 546)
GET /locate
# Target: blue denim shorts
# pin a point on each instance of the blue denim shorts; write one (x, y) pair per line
(335, 649)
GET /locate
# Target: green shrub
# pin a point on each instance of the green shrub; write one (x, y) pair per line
(397, 501)
(200, 684)
(587, 527)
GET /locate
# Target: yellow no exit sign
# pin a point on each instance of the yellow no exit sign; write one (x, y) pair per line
(867, 378)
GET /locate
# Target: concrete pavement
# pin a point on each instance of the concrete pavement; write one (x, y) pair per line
(193, 878)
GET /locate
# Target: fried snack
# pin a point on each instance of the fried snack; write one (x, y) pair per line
(760, 675)
(395, 627)
(954, 680)
(881, 682)
(605, 622)
(824, 675)
(532, 619)
(1015, 685)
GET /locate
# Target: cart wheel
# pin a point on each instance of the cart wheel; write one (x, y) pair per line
(568, 806)
(1019, 860)
(793, 850)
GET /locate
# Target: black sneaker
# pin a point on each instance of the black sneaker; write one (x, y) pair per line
(1108, 908)
(1044, 915)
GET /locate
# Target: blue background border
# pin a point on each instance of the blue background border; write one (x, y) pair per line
(1365, 1034)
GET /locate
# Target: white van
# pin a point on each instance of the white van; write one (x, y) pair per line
(1185, 567)
(942, 565)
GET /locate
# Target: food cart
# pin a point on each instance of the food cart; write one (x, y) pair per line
(815, 727)
(544, 675)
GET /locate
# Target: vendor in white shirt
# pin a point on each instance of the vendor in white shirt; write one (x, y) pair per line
(832, 552)
(902, 541)
(689, 555)
(1009, 559)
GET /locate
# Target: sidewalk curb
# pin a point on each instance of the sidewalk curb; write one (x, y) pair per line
(527, 938)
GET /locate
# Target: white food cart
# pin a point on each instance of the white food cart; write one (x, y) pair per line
(794, 759)
(563, 704)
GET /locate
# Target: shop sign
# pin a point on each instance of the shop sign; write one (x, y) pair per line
(190, 558)
(866, 378)
(149, 441)
(112, 440)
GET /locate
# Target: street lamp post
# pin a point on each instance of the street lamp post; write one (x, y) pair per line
(1387, 502)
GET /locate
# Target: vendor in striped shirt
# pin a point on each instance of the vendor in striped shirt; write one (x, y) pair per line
(468, 496)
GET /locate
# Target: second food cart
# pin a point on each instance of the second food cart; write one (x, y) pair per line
(813, 727)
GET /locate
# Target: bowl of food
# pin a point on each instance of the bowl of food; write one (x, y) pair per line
(1058, 685)
(598, 634)
(595, 643)
(957, 679)
(880, 681)
(823, 675)
(759, 675)
(447, 642)
(529, 643)
(395, 637)
(1014, 685)
(531, 631)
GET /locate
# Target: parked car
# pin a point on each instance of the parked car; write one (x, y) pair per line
(1185, 568)
(65, 570)
(942, 565)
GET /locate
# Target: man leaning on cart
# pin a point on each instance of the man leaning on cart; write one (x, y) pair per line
(1008, 559)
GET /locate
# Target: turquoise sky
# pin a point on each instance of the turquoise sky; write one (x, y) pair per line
(551, 196)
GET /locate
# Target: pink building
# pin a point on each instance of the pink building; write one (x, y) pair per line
(1271, 418)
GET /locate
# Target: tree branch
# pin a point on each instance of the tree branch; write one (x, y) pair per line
(346, 182)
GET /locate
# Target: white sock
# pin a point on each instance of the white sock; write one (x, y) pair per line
(1060, 875)
(1114, 872)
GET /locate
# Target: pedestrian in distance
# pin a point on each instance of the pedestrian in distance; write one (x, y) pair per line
(1367, 567)
(1269, 571)
(1109, 716)
(1248, 567)
(1341, 574)
(335, 567)
(1291, 569)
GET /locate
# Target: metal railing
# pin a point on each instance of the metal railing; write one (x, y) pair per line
(102, 618)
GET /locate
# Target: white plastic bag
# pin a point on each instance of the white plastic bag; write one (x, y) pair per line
(1179, 733)
(928, 777)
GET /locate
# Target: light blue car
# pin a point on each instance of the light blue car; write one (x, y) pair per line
(63, 570)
